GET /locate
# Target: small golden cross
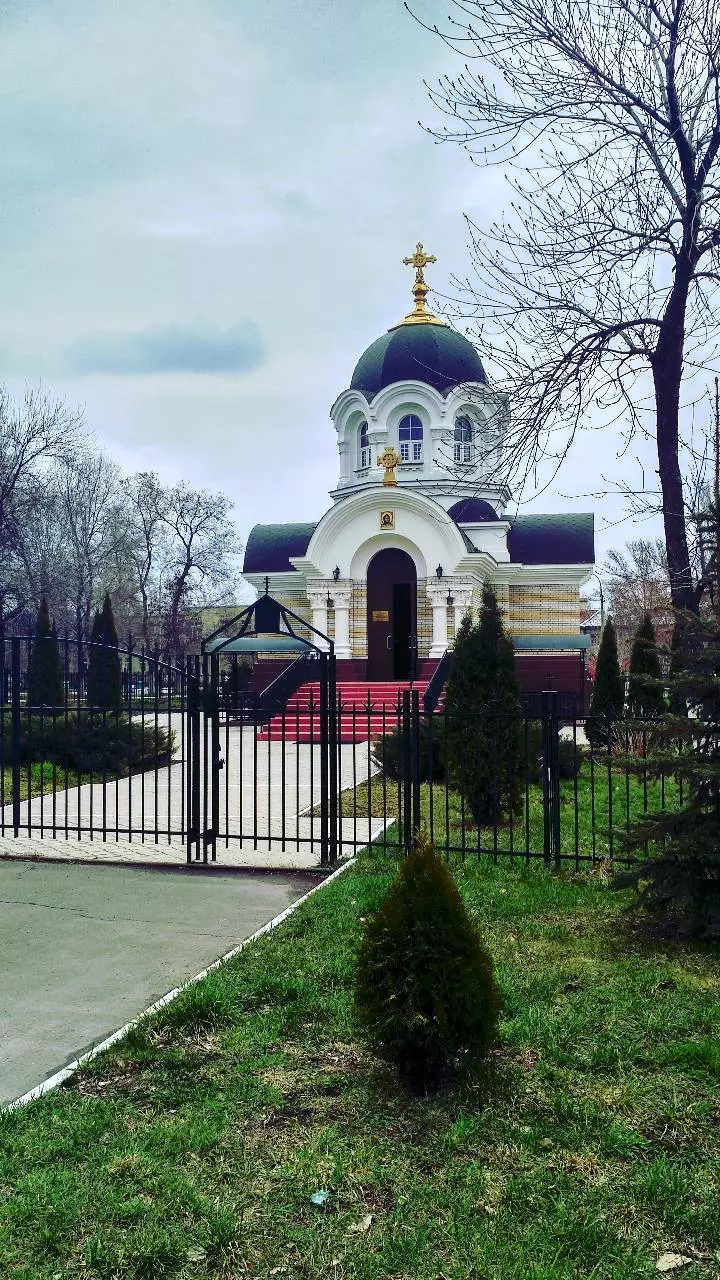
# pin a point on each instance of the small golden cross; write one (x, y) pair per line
(389, 460)
(419, 260)
(420, 315)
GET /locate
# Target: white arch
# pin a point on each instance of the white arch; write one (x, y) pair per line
(349, 533)
(385, 542)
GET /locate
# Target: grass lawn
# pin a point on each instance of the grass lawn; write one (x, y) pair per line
(35, 780)
(588, 1149)
(591, 806)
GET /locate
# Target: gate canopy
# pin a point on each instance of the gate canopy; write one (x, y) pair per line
(266, 626)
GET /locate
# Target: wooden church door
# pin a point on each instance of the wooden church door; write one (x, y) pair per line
(391, 615)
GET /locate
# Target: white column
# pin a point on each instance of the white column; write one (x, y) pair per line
(317, 594)
(345, 463)
(437, 595)
(462, 593)
(341, 593)
(342, 598)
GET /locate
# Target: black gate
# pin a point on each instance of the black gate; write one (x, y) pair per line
(262, 772)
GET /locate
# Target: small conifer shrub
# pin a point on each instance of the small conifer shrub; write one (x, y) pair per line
(483, 717)
(426, 999)
(646, 696)
(104, 679)
(606, 705)
(45, 681)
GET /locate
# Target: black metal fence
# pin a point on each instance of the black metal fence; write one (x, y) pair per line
(543, 794)
(129, 747)
(92, 741)
(393, 773)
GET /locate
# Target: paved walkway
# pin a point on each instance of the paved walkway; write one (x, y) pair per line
(84, 949)
(268, 791)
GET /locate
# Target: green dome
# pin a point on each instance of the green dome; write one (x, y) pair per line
(431, 353)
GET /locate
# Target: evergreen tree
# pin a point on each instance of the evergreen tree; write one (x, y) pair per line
(45, 682)
(113, 678)
(94, 674)
(482, 707)
(676, 699)
(425, 996)
(680, 875)
(104, 679)
(606, 705)
(646, 700)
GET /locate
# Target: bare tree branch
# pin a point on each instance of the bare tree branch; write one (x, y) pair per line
(595, 292)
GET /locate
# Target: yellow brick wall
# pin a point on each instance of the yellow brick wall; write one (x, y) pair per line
(424, 620)
(536, 610)
(358, 620)
(543, 610)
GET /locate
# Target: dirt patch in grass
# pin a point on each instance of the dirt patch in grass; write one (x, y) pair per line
(122, 1078)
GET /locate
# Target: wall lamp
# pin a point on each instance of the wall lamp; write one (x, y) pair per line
(329, 602)
(450, 599)
(336, 572)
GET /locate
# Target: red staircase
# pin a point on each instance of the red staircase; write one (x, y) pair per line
(365, 710)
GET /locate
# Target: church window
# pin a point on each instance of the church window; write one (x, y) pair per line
(410, 437)
(463, 450)
(364, 446)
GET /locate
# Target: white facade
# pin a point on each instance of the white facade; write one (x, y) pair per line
(448, 468)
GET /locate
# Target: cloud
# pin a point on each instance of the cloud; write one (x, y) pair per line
(169, 349)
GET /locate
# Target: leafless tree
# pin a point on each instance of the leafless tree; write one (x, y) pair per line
(72, 528)
(43, 550)
(597, 288)
(202, 545)
(637, 582)
(33, 432)
(88, 489)
(148, 547)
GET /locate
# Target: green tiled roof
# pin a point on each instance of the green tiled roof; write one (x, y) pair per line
(269, 546)
(558, 539)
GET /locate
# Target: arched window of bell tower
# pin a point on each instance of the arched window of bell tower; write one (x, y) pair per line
(363, 447)
(464, 439)
(410, 438)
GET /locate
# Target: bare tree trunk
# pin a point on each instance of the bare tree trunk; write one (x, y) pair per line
(667, 369)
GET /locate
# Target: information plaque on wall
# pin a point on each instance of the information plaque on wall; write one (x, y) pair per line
(381, 615)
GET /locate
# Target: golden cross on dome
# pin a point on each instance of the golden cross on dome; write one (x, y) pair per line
(389, 460)
(420, 315)
(419, 260)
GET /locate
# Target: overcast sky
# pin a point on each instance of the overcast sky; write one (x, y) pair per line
(205, 205)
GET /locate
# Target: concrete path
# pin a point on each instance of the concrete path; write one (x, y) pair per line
(267, 794)
(84, 949)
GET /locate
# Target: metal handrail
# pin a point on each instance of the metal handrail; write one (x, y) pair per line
(431, 697)
(276, 696)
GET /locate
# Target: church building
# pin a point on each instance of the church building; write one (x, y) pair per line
(418, 523)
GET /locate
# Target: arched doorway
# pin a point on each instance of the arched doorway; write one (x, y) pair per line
(391, 615)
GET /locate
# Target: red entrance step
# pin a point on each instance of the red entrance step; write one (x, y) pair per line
(366, 709)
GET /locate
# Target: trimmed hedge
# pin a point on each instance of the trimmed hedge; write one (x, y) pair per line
(570, 758)
(388, 753)
(89, 742)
